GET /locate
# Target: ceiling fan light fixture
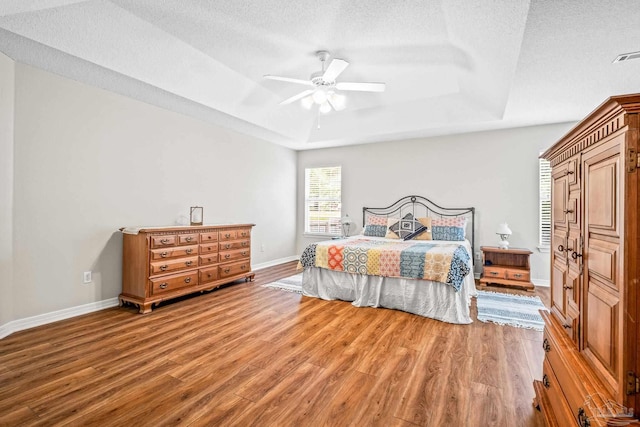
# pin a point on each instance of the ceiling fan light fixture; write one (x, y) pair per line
(307, 102)
(325, 108)
(320, 95)
(338, 101)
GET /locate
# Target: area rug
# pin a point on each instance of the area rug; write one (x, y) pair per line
(289, 284)
(513, 310)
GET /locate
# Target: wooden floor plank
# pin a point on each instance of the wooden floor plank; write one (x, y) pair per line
(249, 355)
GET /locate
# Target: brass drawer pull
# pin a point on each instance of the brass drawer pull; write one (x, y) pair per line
(164, 285)
(495, 273)
(227, 246)
(188, 239)
(243, 234)
(209, 237)
(189, 251)
(227, 235)
(188, 263)
(244, 253)
(227, 256)
(242, 267)
(163, 267)
(546, 346)
(518, 275)
(164, 254)
(208, 274)
(187, 280)
(545, 381)
(226, 270)
(245, 243)
(209, 259)
(164, 241)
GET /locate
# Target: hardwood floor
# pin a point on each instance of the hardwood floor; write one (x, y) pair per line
(249, 355)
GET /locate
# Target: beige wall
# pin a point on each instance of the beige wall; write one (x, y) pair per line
(496, 172)
(6, 188)
(88, 162)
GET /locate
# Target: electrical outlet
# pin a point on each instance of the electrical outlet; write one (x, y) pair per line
(86, 277)
(262, 247)
(478, 255)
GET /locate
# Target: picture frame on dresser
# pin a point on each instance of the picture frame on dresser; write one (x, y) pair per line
(163, 263)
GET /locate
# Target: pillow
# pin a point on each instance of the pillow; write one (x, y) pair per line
(452, 228)
(423, 230)
(408, 228)
(376, 226)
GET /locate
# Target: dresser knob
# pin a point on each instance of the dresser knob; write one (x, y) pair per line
(227, 246)
(495, 273)
(545, 381)
(189, 251)
(546, 346)
(227, 256)
(518, 275)
(187, 280)
(164, 241)
(163, 267)
(227, 235)
(226, 270)
(245, 243)
(164, 254)
(242, 267)
(188, 263)
(164, 285)
(244, 253)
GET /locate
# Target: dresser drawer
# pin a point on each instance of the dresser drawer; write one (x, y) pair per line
(227, 235)
(208, 275)
(495, 272)
(234, 269)
(172, 283)
(175, 252)
(163, 241)
(515, 274)
(187, 239)
(561, 409)
(243, 233)
(234, 255)
(564, 374)
(207, 259)
(211, 236)
(209, 248)
(236, 244)
(162, 267)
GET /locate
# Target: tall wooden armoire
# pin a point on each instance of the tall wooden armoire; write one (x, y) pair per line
(591, 337)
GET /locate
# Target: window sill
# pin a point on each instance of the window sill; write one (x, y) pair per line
(319, 235)
(544, 249)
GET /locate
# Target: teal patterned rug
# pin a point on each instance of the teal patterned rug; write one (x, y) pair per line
(513, 310)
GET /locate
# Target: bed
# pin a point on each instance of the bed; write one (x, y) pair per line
(413, 256)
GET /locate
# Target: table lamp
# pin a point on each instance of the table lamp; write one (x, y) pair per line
(504, 232)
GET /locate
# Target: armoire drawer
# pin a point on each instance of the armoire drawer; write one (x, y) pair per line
(559, 405)
(172, 283)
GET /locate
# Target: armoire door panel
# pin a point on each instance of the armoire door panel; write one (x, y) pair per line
(602, 194)
(602, 262)
(559, 245)
(558, 300)
(559, 198)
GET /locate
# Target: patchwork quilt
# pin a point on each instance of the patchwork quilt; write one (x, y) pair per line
(446, 263)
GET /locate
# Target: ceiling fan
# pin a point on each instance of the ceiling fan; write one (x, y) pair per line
(324, 86)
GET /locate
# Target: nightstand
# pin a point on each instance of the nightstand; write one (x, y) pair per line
(506, 267)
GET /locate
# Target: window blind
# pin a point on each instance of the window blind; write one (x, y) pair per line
(323, 200)
(545, 202)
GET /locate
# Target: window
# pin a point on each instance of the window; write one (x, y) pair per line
(545, 203)
(323, 200)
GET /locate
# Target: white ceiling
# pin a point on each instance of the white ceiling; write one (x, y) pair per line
(450, 66)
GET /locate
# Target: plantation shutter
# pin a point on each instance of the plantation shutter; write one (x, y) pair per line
(323, 200)
(545, 203)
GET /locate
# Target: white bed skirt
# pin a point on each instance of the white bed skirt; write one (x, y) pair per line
(424, 297)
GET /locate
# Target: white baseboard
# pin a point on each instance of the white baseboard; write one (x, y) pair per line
(54, 316)
(541, 282)
(276, 262)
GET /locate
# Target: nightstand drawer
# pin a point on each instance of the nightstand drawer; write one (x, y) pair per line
(514, 274)
(495, 272)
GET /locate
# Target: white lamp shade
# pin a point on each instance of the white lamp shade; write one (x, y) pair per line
(504, 229)
(307, 102)
(325, 108)
(346, 220)
(320, 95)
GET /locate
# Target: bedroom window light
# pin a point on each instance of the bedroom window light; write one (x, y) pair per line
(544, 168)
(323, 200)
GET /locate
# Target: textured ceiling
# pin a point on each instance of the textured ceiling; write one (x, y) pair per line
(450, 66)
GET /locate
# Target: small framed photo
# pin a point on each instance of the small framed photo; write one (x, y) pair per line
(196, 215)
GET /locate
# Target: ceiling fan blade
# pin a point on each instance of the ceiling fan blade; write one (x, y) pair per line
(336, 67)
(290, 80)
(364, 87)
(294, 98)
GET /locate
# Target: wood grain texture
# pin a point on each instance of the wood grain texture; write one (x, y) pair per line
(249, 355)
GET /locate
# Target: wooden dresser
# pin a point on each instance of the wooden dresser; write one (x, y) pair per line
(506, 267)
(161, 263)
(591, 337)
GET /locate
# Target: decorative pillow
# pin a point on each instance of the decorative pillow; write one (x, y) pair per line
(376, 226)
(405, 227)
(452, 228)
(423, 230)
